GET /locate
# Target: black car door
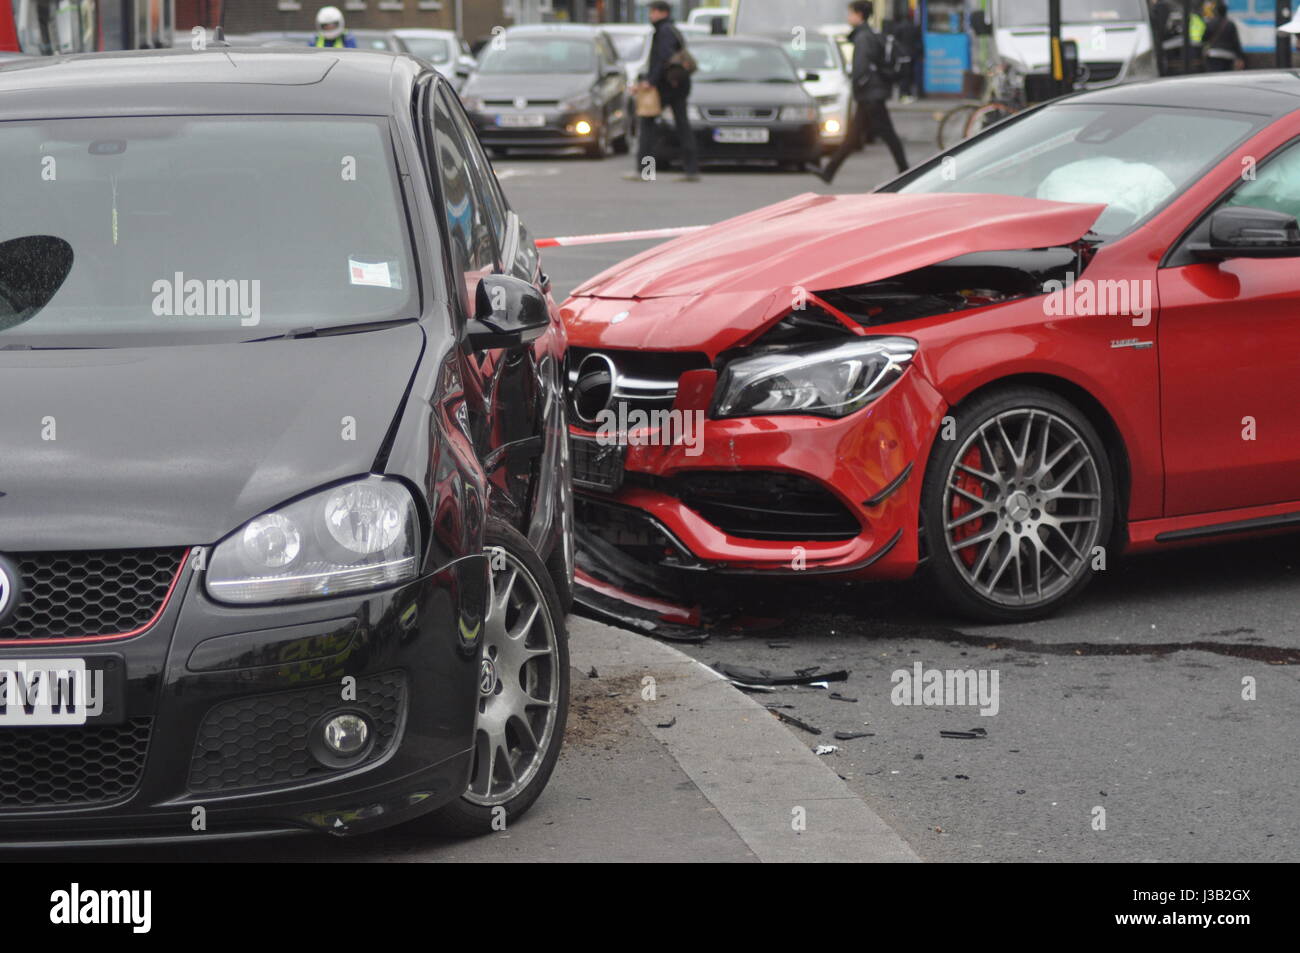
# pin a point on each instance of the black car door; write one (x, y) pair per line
(485, 238)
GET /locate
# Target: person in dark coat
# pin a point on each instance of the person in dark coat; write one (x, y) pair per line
(871, 88)
(908, 39)
(674, 85)
(1222, 43)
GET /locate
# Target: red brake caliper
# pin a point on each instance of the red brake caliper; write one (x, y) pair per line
(961, 506)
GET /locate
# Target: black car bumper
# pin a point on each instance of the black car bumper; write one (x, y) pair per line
(786, 142)
(556, 131)
(213, 723)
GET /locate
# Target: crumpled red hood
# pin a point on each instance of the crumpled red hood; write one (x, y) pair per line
(710, 288)
(830, 241)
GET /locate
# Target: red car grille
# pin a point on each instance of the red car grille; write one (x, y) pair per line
(90, 595)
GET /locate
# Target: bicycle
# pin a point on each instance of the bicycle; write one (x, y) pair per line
(1003, 97)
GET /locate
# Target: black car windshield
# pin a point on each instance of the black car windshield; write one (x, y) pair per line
(432, 48)
(733, 62)
(135, 231)
(1018, 13)
(1132, 159)
(537, 54)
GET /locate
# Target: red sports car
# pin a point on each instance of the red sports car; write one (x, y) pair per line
(1075, 333)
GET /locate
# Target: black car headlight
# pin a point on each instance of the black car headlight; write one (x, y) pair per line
(827, 381)
(352, 537)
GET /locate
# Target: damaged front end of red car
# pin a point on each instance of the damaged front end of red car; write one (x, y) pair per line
(755, 399)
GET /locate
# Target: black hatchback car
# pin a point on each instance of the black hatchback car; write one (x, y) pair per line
(285, 522)
(550, 86)
(747, 104)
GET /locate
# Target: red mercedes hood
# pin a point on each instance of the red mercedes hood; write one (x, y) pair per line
(831, 241)
(708, 290)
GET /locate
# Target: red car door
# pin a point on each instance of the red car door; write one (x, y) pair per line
(1229, 346)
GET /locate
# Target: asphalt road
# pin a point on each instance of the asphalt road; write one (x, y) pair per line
(1129, 702)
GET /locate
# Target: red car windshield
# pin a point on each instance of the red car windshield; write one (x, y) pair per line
(1132, 159)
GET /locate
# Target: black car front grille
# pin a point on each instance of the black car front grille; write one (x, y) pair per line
(760, 505)
(740, 113)
(86, 764)
(264, 740)
(79, 594)
(642, 380)
(597, 464)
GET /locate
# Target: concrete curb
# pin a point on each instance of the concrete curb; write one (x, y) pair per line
(751, 768)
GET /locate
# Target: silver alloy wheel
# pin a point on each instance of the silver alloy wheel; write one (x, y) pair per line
(519, 684)
(1022, 507)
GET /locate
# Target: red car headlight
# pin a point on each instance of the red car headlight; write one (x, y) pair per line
(826, 381)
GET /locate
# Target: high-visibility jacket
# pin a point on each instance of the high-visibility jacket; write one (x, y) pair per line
(1197, 30)
(342, 40)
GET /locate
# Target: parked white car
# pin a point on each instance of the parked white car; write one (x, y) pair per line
(442, 49)
(826, 76)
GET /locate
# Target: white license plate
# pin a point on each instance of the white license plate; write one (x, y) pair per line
(515, 121)
(748, 134)
(48, 692)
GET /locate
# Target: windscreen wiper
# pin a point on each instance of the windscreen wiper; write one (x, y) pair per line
(310, 331)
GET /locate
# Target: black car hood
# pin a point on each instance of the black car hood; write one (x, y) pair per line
(749, 94)
(529, 85)
(178, 446)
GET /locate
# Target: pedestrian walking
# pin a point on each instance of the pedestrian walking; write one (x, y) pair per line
(669, 74)
(872, 84)
(1223, 49)
(910, 48)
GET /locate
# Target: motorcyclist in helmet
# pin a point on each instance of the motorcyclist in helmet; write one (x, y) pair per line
(330, 31)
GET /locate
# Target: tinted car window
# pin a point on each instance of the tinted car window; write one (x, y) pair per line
(520, 54)
(187, 227)
(469, 225)
(742, 62)
(1276, 185)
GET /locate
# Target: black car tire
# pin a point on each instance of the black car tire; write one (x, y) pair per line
(1069, 514)
(600, 149)
(465, 817)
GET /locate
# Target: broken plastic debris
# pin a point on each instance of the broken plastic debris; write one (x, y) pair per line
(973, 733)
(826, 749)
(792, 720)
(851, 735)
(755, 677)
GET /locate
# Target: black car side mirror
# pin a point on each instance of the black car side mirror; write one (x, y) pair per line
(811, 76)
(1246, 232)
(508, 313)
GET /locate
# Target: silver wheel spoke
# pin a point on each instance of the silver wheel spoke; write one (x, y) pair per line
(1044, 496)
(520, 685)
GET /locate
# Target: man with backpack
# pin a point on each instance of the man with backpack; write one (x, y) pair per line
(669, 72)
(872, 83)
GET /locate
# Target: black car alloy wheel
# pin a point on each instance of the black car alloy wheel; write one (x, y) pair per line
(523, 694)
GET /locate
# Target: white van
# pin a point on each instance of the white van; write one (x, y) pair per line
(1113, 37)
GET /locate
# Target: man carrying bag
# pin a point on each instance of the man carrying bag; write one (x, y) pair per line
(668, 80)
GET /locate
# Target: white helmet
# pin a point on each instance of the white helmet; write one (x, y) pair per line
(329, 21)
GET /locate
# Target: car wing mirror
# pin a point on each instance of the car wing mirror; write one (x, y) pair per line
(508, 313)
(809, 76)
(1246, 232)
